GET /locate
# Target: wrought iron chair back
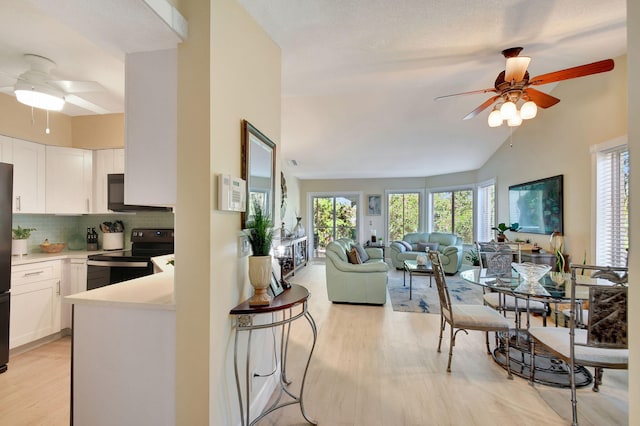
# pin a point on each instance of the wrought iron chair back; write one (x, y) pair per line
(601, 342)
(465, 317)
(496, 257)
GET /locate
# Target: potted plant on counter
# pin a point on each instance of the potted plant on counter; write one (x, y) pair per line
(259, 232)
(19, 237)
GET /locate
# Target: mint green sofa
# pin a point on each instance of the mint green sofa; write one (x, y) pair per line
(449, 246)
(363, 283)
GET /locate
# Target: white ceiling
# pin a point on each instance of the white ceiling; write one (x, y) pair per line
(358, 77)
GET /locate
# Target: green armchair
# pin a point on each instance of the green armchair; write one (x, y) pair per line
(351, 283)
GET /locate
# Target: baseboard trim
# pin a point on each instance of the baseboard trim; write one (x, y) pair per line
(37, 343)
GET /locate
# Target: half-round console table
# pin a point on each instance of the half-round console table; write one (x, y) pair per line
(291, 305)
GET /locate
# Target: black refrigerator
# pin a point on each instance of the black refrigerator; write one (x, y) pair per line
(6, 196)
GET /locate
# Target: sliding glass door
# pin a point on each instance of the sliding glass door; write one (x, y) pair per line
(333, 217)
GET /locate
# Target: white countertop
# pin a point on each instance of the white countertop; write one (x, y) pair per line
(43, 257)
(150, 292)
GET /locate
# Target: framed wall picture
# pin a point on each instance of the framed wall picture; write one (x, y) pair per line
(275, 286)
(374, 205)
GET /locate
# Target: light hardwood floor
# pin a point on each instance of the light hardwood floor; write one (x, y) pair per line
(371, 366)
(35, 389)
(375, 366)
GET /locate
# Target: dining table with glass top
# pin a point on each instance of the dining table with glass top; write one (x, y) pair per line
(553, 288)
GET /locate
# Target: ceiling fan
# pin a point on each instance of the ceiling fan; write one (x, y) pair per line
(37, 88)
(513, 85)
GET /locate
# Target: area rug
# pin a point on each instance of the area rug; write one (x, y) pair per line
(424, 298)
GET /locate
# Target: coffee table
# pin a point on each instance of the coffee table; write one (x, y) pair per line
(412, 267)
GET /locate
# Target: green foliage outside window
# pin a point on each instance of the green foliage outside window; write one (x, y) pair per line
(333, 223)
(453, 212)
(404, 214)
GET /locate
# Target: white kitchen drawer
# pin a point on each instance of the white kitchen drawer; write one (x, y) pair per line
(35, 272)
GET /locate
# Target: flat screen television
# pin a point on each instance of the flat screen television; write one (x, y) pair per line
(537, 206)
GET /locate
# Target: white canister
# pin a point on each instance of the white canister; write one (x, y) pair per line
(113, 241)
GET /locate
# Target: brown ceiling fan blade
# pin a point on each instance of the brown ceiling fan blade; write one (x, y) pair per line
(575, 72)
(486, 104)
(541, 99)
(474, 92)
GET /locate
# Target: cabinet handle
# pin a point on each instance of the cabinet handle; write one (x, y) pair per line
(88, 206)
(18, 204)
(33, 274)
(58, 291)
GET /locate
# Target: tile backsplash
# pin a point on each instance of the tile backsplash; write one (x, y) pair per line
(59, 229)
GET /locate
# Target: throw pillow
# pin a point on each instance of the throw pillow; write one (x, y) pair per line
(428, 246)
(406, 245)
(353, 256)
(361, 252)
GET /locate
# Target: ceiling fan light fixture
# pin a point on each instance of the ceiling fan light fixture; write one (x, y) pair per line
(516, 68)
(39, 97)
(515, 121)
(508, 110)
(528, 110)
(495, 118)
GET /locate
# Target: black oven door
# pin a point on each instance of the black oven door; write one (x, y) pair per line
(101, 273)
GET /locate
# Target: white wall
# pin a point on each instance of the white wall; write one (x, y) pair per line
(245, 85)
(229, 70)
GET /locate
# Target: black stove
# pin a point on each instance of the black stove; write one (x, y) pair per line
(118, 266)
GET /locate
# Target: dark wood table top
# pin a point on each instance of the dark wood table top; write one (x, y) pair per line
(295, 295)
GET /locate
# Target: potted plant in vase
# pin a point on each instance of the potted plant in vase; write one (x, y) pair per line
(19, 239)
(259, 232)
(502, 228)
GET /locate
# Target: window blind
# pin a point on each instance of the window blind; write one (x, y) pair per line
(612, 218)
(486, 211)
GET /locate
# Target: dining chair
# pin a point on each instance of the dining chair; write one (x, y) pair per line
(602, 343)
(496, 257)
(462, 317)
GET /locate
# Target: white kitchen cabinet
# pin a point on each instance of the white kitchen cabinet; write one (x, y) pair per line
(35, 301)
(29, 177)
(69, 175)
(74, 281)
(6, 149)
(151, 130)
(105, 161)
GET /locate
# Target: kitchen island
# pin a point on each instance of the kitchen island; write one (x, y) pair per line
(123, 352)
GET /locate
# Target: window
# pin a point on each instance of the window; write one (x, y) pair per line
(612, 205)
(403, 214)
(486, 218)
(452, 211)
(334, 217)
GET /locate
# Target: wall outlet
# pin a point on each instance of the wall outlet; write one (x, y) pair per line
(243, 246)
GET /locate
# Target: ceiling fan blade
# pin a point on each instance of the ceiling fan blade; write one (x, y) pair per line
(541, 99)
(473, 92)
(83, 103)
(575, 72)
(486, 104)
(516, 68)
(70, 86)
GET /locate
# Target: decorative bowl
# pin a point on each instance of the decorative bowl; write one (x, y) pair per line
(52, 247)
(531, 272)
